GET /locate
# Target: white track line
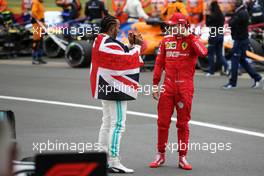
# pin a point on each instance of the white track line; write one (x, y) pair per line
(153, 116)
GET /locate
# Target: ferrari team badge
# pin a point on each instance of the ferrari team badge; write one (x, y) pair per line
(184, 45)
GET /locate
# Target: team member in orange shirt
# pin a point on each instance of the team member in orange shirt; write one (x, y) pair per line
(3, 5)
(195, 9)
(175, 6)
(37, 16)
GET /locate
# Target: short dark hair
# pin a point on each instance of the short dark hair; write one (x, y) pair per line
(215, 8)
(107, 22)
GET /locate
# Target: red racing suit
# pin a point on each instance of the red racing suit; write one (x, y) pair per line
(178, 57)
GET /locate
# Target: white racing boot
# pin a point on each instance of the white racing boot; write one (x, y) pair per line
(115, 166)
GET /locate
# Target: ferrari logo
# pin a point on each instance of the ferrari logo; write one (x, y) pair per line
(184, 45)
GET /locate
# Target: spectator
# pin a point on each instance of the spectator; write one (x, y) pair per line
(71, 9)
(215, 19)
(175, 6)
(239, 31)
(135, 10)
(195, 9)
(261, 2)
(227, 6)
(37, 12)
(75, 9)
(26, 8)
(255, 11)
(3, 5)
(95, 9)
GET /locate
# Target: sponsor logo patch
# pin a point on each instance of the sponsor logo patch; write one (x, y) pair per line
(175, 54)
(180, 104)
(171, 45)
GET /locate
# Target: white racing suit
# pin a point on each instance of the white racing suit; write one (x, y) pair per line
(114, 79)
(113, 125)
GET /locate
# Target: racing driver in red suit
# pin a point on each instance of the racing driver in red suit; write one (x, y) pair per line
(178, 55)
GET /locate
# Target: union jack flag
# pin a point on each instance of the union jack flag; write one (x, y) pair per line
(114, 70)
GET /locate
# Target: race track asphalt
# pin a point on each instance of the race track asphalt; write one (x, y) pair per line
(241, 108)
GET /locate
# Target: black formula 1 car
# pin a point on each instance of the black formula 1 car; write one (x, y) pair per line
(15, 39)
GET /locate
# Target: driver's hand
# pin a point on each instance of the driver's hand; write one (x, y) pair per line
(131, 38)
(155, 95)
(139, 39)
